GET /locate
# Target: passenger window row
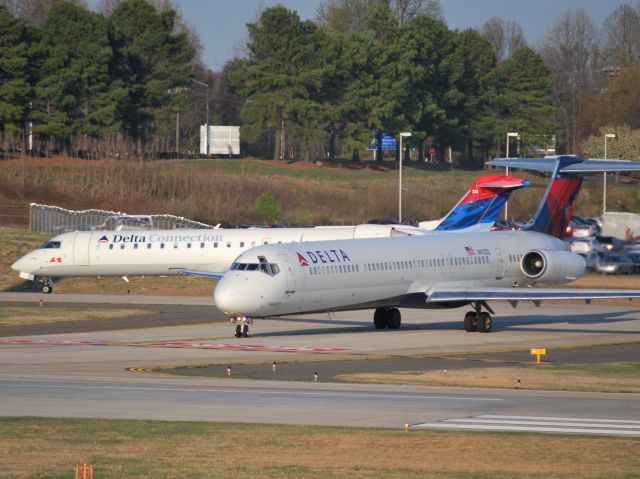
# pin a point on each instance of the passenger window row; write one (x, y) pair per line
(400, 265)
(161, 245)
(334, 269)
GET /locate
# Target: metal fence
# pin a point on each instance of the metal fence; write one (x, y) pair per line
(56, 220)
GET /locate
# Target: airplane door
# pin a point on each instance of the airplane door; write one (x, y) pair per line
(290, 272)
(500, 264)
(81, 249)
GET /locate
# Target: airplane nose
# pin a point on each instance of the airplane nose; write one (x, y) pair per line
(20, 265)
(25, 267)
(231, 298)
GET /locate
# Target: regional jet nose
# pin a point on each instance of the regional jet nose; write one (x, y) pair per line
(24, 266)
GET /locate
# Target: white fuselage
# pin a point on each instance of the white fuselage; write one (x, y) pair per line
(367, 273)
(168, 252)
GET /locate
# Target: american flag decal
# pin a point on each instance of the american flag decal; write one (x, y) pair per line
(470, 251)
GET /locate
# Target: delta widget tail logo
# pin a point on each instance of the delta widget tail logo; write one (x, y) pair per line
(303, 262)
(104, 239)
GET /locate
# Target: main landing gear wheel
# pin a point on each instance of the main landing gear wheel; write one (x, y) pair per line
(387, 318)
(477, 320)
(245, 331)
(394, 319)
(484, 322)
(238, 331)
(470, 322)
(380, 318)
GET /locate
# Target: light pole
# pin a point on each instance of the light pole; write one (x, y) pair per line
(404, 134)
(513, 134)
(206, 125)
(604, 174)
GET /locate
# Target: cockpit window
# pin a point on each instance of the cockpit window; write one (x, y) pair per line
(263, 266)
(50, 245)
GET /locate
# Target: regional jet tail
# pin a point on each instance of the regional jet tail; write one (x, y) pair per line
(438, 270)
(479, 207)
(205, 252)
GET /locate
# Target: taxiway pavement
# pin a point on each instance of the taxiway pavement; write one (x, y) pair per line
(88, 373)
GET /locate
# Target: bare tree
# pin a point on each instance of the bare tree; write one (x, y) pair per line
(505, 37)
(405, 10)
(570, 50)
(621, 35)
(348, 15)
(35, 11)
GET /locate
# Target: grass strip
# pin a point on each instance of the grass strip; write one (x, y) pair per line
(50, 448)
(17, 316)
(610, 377)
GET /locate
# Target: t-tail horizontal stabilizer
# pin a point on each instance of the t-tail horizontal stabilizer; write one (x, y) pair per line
(483, 202)
(556, 206)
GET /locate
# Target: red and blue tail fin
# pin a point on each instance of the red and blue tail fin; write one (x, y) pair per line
(480, 206)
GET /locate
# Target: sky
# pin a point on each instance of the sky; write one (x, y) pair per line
(221, 24)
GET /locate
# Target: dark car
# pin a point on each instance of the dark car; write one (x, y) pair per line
(635, 259)
(615, 263)
(610, 243)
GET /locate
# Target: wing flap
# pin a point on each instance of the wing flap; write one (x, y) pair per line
(436, 295)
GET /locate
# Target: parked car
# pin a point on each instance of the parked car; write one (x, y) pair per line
(580, 227)
(584, 246)
(593, 259)
(610, 243)
(615, 263)
(635, 259)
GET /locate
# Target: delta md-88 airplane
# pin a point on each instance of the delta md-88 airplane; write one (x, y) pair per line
(170, 252)
(439, 270)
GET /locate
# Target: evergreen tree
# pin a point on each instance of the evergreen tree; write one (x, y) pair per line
(75, 93)
(281, 77)
(153, 62)
(16, 41)
(523, 98)
(478, 120)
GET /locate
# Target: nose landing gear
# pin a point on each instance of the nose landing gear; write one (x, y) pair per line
(47, 285)
(242, 326)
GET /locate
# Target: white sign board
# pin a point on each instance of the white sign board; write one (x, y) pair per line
(223, 140)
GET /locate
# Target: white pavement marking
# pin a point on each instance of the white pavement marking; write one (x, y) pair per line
(558, 425)
(250, 391)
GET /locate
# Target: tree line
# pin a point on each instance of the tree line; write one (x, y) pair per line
(119, 81)
(76, 79)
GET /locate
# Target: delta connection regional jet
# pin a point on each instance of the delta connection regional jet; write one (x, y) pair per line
(211, 251)
(439, 270)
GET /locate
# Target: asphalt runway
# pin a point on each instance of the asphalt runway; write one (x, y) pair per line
(102, 372)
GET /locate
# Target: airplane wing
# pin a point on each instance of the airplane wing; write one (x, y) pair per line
(440, 295)
(202, 274)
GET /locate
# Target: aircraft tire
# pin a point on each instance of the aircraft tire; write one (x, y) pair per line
(381, 318)
(484, 322)
(245, 331)
(47, 288)
(394, 318)
(470, 322)
(238, 331)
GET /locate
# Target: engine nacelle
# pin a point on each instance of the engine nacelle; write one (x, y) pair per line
(552, 266)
